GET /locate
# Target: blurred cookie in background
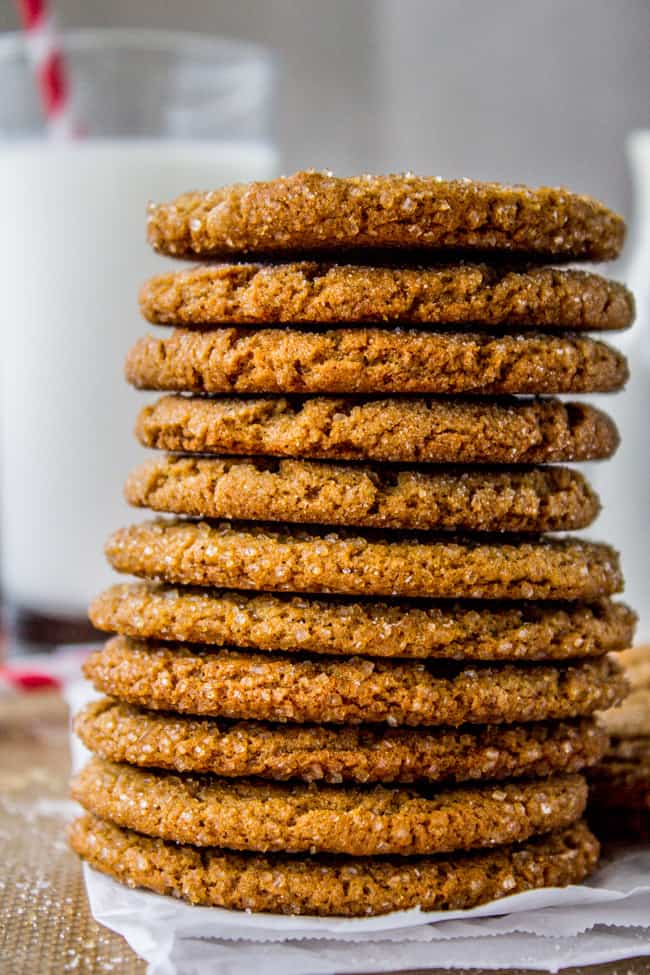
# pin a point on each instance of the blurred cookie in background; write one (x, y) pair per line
(620, 783)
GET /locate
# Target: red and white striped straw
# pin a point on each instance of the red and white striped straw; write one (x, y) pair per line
(45, 52)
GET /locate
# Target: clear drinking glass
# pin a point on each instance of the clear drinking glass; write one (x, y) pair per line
(160, 113)
(624, 486)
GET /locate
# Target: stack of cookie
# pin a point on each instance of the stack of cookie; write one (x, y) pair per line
(372, 687)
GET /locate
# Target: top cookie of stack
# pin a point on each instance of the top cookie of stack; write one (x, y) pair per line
(385, 251)
(378, 356)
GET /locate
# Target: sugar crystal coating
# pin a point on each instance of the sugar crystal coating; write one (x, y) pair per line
(277, 558)
(244, 814)
(372, 361)
(548, 499)
(333, 886)
(453, 294)
(336, 625)
(353, 690)
(313, 211)
(409, 429)
(319, 753)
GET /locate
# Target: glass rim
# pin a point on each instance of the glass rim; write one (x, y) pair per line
(13, 43)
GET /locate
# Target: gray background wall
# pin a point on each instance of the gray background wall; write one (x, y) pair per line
(529, 90)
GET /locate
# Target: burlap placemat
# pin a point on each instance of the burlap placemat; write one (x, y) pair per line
(45, 925)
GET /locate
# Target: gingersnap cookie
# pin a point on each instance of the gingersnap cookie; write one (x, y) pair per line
(245, 814)
(455, 294)
(411, 430)
(333, 886)
(620, 783)
(351, 690)
(364, 360)
(517, 500)
(319, 753)
(448, 630)
(316, 211)
(277, 558)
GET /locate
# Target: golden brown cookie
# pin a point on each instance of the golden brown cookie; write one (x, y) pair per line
(316, 211)
(302, 491)
(455, 631)
(314, 753)
(370, 361)
(245, 814)
(333, 886)
(411, 430)
(457, 294)
(279, 558)
(354, 690)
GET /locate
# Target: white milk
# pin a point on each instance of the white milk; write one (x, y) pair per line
(624, 482)
(72, 258)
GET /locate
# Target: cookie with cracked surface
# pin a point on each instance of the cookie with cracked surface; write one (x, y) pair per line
(333, 886)
(456, 294)
(318, 753)
(354, 690)
(293, 559)
(302, 491)
(455, 631)
(355, 820)
(372, 361)
(316, 211)
(439, 430)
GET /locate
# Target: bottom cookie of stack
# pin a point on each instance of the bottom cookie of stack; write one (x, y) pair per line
(333, 885)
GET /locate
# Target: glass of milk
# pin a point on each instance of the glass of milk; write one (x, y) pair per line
(624, 485)
(160, 113)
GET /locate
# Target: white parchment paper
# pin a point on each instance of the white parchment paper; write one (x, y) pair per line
(605, 919)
